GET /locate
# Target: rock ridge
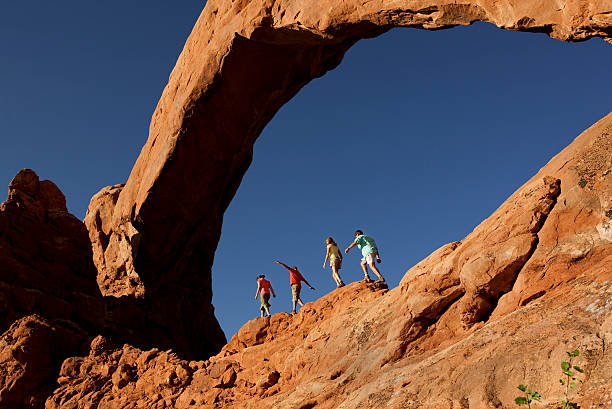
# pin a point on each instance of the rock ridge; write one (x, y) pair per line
(463, 329)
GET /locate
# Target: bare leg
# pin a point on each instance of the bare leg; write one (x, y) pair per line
(336, 276)
(366, 277)
(375, 270)
(268, 311)
(300, 301)
(294, 306)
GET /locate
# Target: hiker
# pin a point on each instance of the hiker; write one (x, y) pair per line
(295, 278)
(263, 290)
(335, 260)
(369, 251)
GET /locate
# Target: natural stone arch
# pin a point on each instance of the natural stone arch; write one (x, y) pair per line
(155, 237)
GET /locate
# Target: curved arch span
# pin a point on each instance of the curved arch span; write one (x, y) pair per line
(154, 238)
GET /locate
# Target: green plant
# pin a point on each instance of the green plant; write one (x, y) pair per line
(528, 398)
(569, 382)
(568, 369)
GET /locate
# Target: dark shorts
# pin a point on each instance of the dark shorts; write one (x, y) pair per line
(264, 298)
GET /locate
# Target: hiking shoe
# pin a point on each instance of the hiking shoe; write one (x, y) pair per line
(380, 280)
(367, 279)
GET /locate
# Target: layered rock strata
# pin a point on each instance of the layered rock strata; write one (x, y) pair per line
(463, 329)
(155, 237)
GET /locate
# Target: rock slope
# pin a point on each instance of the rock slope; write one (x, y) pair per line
(463, 329)
(155, 237)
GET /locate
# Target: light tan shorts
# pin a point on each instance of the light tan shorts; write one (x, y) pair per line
(295, 291)
(335, 262)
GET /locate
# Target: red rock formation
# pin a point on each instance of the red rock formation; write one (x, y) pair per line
(46, 268)
(466, 325)
(45, 258)
(463, 329)
(31, 352)
(329, 356)
(168, 311)
(160, 232)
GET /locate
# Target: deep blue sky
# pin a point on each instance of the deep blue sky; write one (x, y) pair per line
(416, 137)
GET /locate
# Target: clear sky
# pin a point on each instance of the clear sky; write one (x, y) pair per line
(415, 138)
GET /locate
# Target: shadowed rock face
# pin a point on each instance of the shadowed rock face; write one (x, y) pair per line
(155, 237)
(46, 269)
(50, 304)
(45, 259)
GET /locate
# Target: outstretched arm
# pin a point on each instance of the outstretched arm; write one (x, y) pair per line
(353, 244)
(283, 264)
(272, 289)
(307, 283)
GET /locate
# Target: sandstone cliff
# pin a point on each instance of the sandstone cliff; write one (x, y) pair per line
(463, 329)
(50, 304)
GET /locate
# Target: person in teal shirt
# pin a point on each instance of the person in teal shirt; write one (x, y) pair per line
(369, 251)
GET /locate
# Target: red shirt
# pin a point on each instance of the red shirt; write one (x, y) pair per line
(295, 277)
(264, 286)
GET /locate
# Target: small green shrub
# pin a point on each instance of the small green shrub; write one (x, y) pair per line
(528, 398)
(568, 380)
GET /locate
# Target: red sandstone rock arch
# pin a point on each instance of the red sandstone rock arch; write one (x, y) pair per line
(155, 237)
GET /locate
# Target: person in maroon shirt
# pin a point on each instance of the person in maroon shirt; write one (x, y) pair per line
(295, 279)
(263, 289)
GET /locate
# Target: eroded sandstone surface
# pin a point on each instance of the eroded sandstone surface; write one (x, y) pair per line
(462, 330)
(45, 258)
(50, 304)
(465, 326)
(241, 63)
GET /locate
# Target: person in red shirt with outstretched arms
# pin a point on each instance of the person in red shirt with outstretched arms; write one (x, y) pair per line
(295, 278)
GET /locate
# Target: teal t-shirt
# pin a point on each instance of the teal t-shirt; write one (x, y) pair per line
(366, 244)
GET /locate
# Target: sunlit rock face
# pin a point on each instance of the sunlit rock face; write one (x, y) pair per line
(464, 327)
(154, 238)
